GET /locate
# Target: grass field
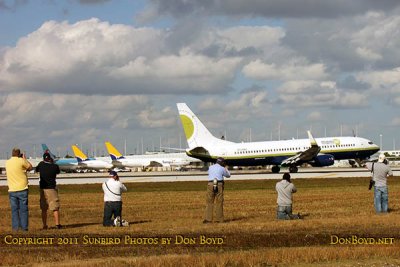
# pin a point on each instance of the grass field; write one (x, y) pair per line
(335, 209)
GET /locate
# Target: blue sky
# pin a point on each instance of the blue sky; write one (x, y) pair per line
(89, 71)
(28, 16)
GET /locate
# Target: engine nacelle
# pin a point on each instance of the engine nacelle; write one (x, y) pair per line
(322, 160)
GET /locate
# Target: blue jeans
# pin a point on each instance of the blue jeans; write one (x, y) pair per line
(19, 209)
(111, 208)
(381, 199)
(285, 213)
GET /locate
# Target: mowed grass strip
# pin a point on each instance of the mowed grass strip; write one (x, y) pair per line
(333, 207)
(299, 257)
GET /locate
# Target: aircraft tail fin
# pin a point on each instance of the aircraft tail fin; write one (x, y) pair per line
(46, 149)
(114, 153)
(196, 133)
(80, 156)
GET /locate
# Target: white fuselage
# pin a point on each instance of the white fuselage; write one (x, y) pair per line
(273, 152)
(95, 164)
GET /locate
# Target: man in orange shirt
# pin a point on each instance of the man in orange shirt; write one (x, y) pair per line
(17, 180)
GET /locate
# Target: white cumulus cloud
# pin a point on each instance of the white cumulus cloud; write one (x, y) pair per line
(290, 71)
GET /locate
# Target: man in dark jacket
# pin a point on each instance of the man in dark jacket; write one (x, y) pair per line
(48, 189)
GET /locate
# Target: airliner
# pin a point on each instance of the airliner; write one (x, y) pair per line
(65, 164)
(89, 163)
(391, 153)
(143, 161)
(120, 161)
(318, 152)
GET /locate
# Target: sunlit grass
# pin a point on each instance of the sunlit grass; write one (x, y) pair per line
(252, 235)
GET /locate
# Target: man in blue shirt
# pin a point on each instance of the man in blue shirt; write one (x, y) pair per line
(215, 191)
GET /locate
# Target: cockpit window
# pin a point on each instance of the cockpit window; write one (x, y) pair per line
(370, 143)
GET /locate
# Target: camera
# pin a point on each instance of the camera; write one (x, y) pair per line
(21, 155)
(215, 186)
(371, 184)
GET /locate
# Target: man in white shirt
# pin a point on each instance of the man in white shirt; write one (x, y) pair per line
(285, 189)
(113, 189)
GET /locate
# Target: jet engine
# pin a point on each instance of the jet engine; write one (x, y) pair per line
(322, 160)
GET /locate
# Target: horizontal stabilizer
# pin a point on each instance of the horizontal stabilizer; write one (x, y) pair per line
(199, 151)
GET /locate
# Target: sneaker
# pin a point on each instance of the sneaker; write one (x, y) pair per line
(117, 221)
(124, 223)
(45, 227)
(58, 226)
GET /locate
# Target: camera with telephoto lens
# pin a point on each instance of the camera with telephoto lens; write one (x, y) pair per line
(215, 186)
(371, 184)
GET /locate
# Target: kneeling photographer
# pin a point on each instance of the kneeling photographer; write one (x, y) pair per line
(285, 189)
(113, 189)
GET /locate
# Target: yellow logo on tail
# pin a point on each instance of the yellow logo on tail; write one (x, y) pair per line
(78, 153)
(114, 153)
(188, 126)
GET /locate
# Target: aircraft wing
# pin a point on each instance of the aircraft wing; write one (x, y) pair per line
(173, 148)
(155, 163)
(304, 156)
(82, 164)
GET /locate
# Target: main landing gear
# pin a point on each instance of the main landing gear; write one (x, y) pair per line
(292, 169)
(275, 169)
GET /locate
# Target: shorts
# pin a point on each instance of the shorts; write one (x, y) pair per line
(49, 199)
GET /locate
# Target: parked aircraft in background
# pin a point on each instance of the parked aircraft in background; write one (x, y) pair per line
(65, 164)
(89, 163)
(119, 161)
(149, 160)
(391, 153)
(317, 152)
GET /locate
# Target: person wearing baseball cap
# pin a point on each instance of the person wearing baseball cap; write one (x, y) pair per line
(380, 172)
(49, 199)
(113, 189)
(215, 191)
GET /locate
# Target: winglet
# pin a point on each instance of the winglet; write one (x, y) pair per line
(80, 156)
(312, 139)
(114, 153)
